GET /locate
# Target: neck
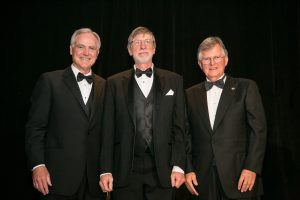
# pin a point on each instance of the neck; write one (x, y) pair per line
(214, 79)
(143, 67)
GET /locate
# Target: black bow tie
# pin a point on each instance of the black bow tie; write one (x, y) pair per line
(80, 77)
(139, 72)
(219, 83)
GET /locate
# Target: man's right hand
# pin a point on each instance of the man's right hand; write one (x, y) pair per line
(106, 182)
(41, 179)
(190, 181)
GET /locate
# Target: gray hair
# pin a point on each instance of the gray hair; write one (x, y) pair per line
(140, 30)
(85, 30)
(208, 44)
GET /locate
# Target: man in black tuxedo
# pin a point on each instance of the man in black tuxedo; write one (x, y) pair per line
(143, 151)
(63, 128)
(227, 131)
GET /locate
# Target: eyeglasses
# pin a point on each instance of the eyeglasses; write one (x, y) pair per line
(209, 60)
(139, 42)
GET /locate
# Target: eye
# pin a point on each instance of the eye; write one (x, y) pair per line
(93, 48)
(79, 46)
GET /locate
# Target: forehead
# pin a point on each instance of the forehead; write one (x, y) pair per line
(86, 38)
(143, 36)
(215, 50)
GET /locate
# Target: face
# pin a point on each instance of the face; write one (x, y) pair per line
(213, 62)
(84, 52)
(142, 49)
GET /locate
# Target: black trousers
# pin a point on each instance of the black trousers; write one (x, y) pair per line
(144, 183)
(216, 191)
(81, 194)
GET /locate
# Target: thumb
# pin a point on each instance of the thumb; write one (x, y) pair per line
(49, 181)
(110, 185)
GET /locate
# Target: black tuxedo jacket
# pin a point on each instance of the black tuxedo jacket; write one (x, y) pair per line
(61, 135)
(119, 125)
(237, 141)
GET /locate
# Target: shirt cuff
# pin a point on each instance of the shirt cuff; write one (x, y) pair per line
(177, 169)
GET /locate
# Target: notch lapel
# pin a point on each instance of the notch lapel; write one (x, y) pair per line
(128, 87)
(201, 98)
(158, 88)
(70, 81)
(225, 100)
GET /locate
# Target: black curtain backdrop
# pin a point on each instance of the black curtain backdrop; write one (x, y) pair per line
(262, 37)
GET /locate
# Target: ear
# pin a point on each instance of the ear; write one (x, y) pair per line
(226, 60)
(129, 51)
(199, 63)
(70, 50)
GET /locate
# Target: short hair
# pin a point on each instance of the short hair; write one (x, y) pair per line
(208, 44)
(140, 30)
(85, 30)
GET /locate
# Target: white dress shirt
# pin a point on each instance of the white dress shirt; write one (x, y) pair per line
(84, 86)
(144, 82)
(213, 98)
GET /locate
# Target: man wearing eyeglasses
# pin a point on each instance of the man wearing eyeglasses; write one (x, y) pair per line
(143, 150)
(227, 131)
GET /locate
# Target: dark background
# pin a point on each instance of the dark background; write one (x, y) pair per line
(262, 37)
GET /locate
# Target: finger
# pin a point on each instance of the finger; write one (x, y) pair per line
(245, 187)
(252, 184)
(173, 181)
(191, 188)
(110, 185)
(49, 181)
(195, 182)
(240, 183)
(102, 186)
(45, 187)
(250, 187)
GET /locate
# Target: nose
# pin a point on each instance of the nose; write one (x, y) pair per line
(212, 61)
(142, 45)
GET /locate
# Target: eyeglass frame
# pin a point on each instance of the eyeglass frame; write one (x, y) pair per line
(208, 60)
(146, 42)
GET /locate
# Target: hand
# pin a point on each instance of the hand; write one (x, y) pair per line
(41, 179)
(247, 180)
(177, 179)
(106, 182)
(190, 181)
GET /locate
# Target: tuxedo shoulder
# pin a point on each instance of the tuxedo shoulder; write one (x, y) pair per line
(193, 87)
(55, 73)
(125, 73)
(99, 78)
(244, 81)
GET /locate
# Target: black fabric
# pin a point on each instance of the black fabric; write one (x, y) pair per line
(139, 72)
(90, 102)
(219, 83)
(88, 78)
(143, 113)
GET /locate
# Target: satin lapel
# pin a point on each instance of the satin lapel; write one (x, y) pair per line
(225, 100)
(158, 88)
(128, 87)
(71, 83)
(97, 90)
(201, 98)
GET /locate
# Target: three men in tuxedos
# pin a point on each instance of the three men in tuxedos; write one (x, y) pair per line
(143, 151)
(227, 130)
(63, 128)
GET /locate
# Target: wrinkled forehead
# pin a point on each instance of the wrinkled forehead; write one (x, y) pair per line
(143, 36)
